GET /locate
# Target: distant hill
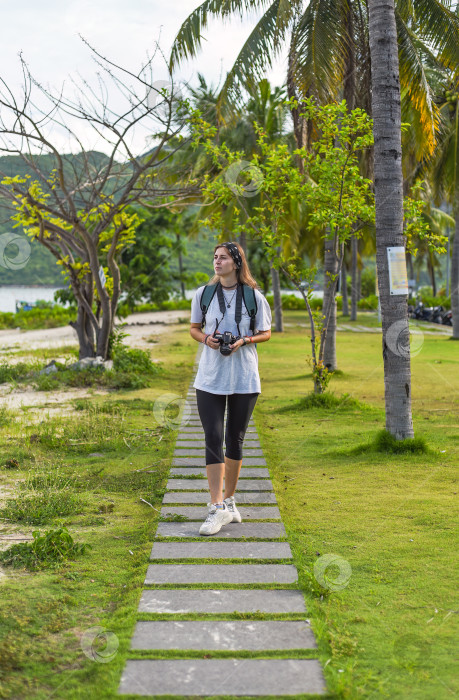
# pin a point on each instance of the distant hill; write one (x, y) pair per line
(41, 267)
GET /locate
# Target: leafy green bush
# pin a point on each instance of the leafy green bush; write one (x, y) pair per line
(37, 317)
(12, 373)
(169, 305)
(368, 282)
(429, 300)
(369, 303)
(291, 302)
(132, 368)
(52, 548)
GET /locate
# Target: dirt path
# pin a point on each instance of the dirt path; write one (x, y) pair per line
(141, 328)
(138, 326)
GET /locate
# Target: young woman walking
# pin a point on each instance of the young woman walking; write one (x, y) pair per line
(230, 380)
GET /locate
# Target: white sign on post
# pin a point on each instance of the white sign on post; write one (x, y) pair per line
(102, 276)
(397, 270)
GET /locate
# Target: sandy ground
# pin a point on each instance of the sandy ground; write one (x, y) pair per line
(141, 328)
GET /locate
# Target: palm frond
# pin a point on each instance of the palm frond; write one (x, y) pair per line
(188, 40)
(319, 47)
(257, 54)
(436, 23)
(414, 83)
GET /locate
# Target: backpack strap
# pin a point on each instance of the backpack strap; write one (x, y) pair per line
(244, 292)
(207, 295)
(250, 302)
(238, 310)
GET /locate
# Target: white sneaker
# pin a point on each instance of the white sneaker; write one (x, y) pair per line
(216, 518)
(231, 505)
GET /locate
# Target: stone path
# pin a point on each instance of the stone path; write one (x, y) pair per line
(417, 328)
(176, 566)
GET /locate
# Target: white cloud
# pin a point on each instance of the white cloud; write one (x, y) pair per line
(48, 36)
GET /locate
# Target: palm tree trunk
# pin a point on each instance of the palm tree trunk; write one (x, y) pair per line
(344, 290)
(354, 280)
(330, 268)
(455, 275)
(389, 213)
(431, 271)
(278, 319)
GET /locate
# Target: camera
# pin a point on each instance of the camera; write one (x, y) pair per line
(225, 339)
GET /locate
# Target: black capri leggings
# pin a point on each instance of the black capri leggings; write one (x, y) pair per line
(211, 409)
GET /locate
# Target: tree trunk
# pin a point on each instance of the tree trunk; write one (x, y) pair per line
(455, 274)
(85, 334)
(278, 319)
(344, 290)
(431, 271)
(354, 277)
(180, 265)
(330, 268)
(389, 213)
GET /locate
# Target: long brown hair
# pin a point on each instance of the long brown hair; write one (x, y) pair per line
(244, 276)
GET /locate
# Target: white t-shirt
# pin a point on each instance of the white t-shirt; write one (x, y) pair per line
(236, 373)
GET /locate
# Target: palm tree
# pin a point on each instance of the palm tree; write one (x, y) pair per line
(389, 213)
(265, 106)
(328, 57)
(445, 177)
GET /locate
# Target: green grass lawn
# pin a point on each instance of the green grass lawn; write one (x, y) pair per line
(390, 632)
(386, 632)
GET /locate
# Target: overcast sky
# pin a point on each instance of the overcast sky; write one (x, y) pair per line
(47, 33)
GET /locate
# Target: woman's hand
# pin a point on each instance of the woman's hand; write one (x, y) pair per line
(238, 344)
(212, 342)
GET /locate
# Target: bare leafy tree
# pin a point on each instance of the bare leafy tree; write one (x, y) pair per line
(81, 205)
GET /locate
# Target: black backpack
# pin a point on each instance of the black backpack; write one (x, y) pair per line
(244, 292)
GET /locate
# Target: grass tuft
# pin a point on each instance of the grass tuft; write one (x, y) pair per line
(52, 548)
(326, 401)
(385, 442)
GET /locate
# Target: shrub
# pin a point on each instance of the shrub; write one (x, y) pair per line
(369, 303)
(52, 548)
(11, 373)
(368, 282)
(132, 368)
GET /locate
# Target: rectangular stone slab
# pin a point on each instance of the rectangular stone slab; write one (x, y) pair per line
(220, 573)
(199, 484)
(246, 472)
(226, 635)
(200, 512)
(199, 452)
(201, 677)
(223, 600)
(200, 462)
(220, 550)
(204, 497)
(230, 530)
